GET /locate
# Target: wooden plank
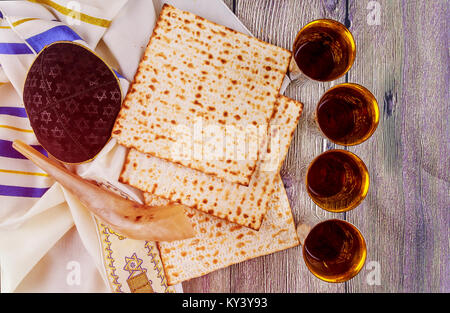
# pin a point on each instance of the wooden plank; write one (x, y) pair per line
(425, 140)
(380, 216)
(229, 4)
(278, 22)
(405, 215)
(405, 218)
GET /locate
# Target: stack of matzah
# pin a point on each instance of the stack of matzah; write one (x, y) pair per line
(195, 70)
(219, 243)
(236, 203)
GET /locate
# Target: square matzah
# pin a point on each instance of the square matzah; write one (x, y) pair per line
(195, 71)
(244, 205)
(219, 243)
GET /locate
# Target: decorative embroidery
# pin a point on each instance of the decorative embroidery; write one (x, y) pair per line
(133, 265)
(127, 258)
(107, 253)
(119, 236)
(154, 255)
(121, 266)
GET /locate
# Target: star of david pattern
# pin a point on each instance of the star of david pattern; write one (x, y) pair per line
(133, 265)
(72, 98)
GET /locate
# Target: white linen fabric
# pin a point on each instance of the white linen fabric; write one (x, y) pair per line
(49, 242)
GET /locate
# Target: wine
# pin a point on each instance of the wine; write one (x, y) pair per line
(334, 251)
(337, 180)
(324, 50)
(347, 114)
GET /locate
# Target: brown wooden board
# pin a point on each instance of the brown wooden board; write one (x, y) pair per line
(404, 62)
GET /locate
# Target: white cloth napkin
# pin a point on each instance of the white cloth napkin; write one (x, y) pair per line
(29, 226)
(40, 249)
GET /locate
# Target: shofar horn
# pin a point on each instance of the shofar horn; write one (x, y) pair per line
(129, 218)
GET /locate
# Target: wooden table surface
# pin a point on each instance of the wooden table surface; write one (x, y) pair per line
(403, 58)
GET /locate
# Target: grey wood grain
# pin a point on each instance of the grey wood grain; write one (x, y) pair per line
(378, 66)
(404, 61)
(278, 22)
(425, 137)
(405, 216)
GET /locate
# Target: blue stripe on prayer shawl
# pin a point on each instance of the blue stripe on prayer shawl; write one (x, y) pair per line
(7, 151)
(13, 111)
(14, 48)
(58, 33)
(16, 191)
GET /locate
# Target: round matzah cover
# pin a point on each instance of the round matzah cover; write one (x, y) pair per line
(72, 99)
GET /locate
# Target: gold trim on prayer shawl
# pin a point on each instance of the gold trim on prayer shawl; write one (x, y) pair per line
(23, 173)
(17, 129)
(74, 14)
